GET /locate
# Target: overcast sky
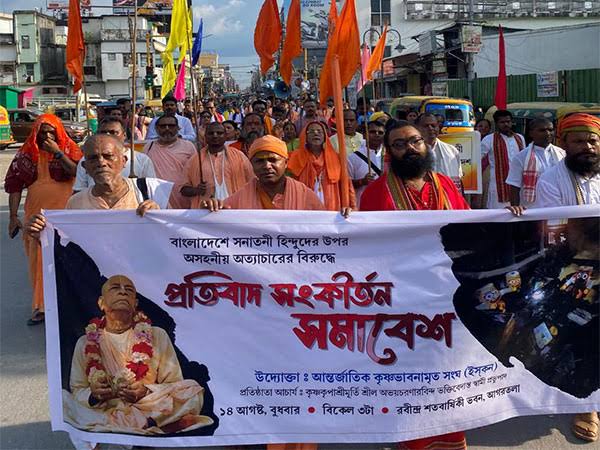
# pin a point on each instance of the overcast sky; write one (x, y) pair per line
(231, 23)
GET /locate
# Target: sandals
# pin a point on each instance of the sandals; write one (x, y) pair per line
(585, 426)
(37, 318)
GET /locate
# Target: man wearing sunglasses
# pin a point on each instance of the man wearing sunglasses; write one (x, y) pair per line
(358, 162)
(143, 166)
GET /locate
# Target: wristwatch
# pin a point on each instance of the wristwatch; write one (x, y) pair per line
(58, 155)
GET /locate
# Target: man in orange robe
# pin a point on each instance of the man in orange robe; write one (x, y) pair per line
(271, 189)
(316, 164)
(225, 170)
(45, 165)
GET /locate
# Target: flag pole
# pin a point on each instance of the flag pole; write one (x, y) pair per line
(339, 106)
(364, 95)
(133, 90)
(198, 146)
(85, 100)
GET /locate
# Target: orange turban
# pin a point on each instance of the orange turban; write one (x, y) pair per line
(579, 122)
(270, 144)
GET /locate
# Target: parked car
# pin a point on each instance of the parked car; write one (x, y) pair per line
(21, 121)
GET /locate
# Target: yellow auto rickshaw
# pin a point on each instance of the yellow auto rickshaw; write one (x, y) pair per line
(6, 137)
(457, 113)
(524, 112)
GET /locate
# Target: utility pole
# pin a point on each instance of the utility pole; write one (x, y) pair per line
(470, 58)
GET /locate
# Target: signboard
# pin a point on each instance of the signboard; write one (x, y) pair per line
(547, 84)
(314, 23)
(64, 6)
(439, 88)
(256, 327)
(469, 146)
(388, 67)
(145, 7)
(471, 39)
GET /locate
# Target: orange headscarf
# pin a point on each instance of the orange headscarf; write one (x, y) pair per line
(299, 160)
(65, 143)
(579, 122)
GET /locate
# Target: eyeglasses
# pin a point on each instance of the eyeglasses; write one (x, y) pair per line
(377, 132)
(403, 144)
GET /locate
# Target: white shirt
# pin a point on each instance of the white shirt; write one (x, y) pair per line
(186, 129)
(555, 188)
(447, 161)
(143, 168)
(487, 148)
(544, 159)
(358, 169)
(353, 143)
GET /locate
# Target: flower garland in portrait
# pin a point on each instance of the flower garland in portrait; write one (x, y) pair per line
(141, 351)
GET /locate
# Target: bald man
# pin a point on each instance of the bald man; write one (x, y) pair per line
(106, 395)
(104, 162)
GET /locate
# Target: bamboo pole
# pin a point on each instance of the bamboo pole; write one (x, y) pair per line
(364, 95)
(198, 146)
(85, 101)
(133, 90)
(339, 107)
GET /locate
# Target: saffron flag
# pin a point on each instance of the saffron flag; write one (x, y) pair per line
(75, 53)
(180, 38)
(180, 83)
(267, 34)
(291, 46)
(345, 43)
(332, 16)
(365, 56)
(500, 99)
(197, 48)
(325, 80)
(377, 57)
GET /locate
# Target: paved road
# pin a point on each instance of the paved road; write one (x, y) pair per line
(24, 416)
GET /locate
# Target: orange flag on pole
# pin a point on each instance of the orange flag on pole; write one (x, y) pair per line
(75, 45)
(333, 15)
(267, 34)
(291, 46)
(377, 56)
(347, 42)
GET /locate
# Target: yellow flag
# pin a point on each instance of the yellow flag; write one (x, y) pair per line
(180, 37)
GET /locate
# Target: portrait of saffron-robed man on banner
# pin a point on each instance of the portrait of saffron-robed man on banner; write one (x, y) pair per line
(125, 375)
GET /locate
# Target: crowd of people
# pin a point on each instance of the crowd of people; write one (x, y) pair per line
(280, 154)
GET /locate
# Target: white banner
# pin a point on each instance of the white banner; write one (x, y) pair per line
(274, 326)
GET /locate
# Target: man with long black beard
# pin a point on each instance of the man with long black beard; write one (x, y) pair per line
(576, 179)
(410, 184)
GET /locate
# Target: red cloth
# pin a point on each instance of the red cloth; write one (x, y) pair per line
(377, 197)
(500, 99)
(450, 441)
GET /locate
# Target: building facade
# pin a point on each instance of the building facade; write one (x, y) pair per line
(428, 51)
(39, 57)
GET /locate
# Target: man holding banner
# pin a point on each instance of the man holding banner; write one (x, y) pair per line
(410, 184)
